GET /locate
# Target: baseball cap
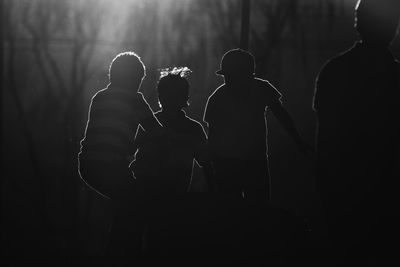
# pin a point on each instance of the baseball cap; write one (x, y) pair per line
(237, 62)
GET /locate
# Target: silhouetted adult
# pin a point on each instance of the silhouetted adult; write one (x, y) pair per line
(357, 141)
(235, 114)
(166, 166)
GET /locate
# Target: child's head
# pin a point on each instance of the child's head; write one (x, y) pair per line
(377, 21)
(173, 88)
(127, 70)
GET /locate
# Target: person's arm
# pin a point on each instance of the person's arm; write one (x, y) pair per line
(288, 124)
(203, 158)
(152, 125)
(138, 141)
(149, 126)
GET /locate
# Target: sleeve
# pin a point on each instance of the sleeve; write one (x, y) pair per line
(148, 120)
(272, 95)
(145, 112)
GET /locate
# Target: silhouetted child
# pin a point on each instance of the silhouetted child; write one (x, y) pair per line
(114, 116)
(235, 114)
(163, 167)
(166, 167)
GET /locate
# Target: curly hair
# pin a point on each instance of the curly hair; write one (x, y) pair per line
(173, 87)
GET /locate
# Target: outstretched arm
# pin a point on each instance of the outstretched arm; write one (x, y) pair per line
(154, 130)
(149, 130)
(149, 122)
(288, 124)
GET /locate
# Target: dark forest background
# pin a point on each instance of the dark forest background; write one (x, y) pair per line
(55, 56)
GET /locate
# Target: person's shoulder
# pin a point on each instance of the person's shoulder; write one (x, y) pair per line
(194, 124)
(213, 103)
(340, 61)
(139, 100)
(332, 68)
(102, 93)
(117, 93)
(217, 92)
(139, 96)
(265, 89)
(262, 83)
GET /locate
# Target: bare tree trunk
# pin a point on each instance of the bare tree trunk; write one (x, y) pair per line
(245, 27)
(279, 15)
(65, 92)
(37, 199)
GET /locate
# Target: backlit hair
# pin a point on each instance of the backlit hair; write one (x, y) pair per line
(126, 66)
(173, 87)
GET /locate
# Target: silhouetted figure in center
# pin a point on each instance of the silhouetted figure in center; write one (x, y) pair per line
(236, 116)
(356, 100)
(165, 167)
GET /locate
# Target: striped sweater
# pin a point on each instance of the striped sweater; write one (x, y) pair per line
(114, 115)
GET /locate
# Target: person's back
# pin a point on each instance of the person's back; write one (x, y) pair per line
(237, 121)
(107, 119)
(357, 139)
(114, 115)
(355, 100)
(236, 118)
(172, 161)
(186, 137)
